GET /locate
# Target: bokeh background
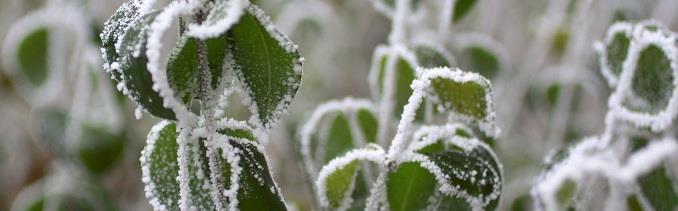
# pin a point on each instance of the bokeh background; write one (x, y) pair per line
(547, 87)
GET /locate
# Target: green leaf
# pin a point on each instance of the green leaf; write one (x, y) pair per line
(267, 62)
(481, 60)
(216, 52)
(404, 75)
(566, 193)
(652, 81)
(198, 171)
(182, 69)
(523, 202)
(475, 172)
(454, 203)
(465, 98)
(113, 30)
(633, 203)
(409, 187)
(257, 189)
(616, 52)
(461, 9)
(99, 149)
(160, 166)
(430, 57)
(369, 124)
(339, 139)
(659, 189)
(32, 56)
(339, 183)
(134, 75)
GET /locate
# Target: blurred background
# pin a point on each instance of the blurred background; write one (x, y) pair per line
(67, 136)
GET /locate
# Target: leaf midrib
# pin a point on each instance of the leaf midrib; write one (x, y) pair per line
(409, 190)
(268, 55)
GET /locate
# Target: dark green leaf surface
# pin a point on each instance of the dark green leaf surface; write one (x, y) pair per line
(476, 172)
(481, 60)
(339, 139)
(257, 189)
(429, 57)
(616, 52)
(182, 69)
(99, 149)
(134, 73)
(462, 8)
(409, 187)
(163, 166)
(467, 98)
(659, 189)
(652, 81)
(32, 55)
(267, 69)
(369, 125)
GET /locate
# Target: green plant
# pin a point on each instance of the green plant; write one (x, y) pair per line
(427, 166)
(632, 158)
(199, 157)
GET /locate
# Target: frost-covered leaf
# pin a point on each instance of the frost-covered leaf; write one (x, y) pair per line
(659, 189)
(183, 67)
(391, 73)
(614, 50)
(257, 189)
(409, 187)
(481, 60)
(369, 124)
(339, 139)
(32, 56)
(341, 184)
(99, 148)
(194, 174)
(465, 95)
(461, 9)
(566, 194)
(429, 56)
(113, 30)
(336, 127)
(131, 64)
(658, 186)
(267, 62)
(646, 94)
(160, 167)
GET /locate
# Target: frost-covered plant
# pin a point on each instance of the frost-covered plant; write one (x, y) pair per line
(631, 165)
(182, 62)
(51, 57)
(438, 155)
(427, 166)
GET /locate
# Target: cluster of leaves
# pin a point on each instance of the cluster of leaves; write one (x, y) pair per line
(632, 157)
(438, 156)
(199, 157)
(77, 116)
(427, 166)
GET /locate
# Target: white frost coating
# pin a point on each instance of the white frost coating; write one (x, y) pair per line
(427, 135)
(149, 186)
(600, 47)
(373, 153)
(585, 160)
(286, 44)
(231, 155)
(382, 8)
(311, 127)
(663, 118)
(63, 21)
(385, 93)
(438, 47)
(225, 14)
(157, 66)
(137, 112)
